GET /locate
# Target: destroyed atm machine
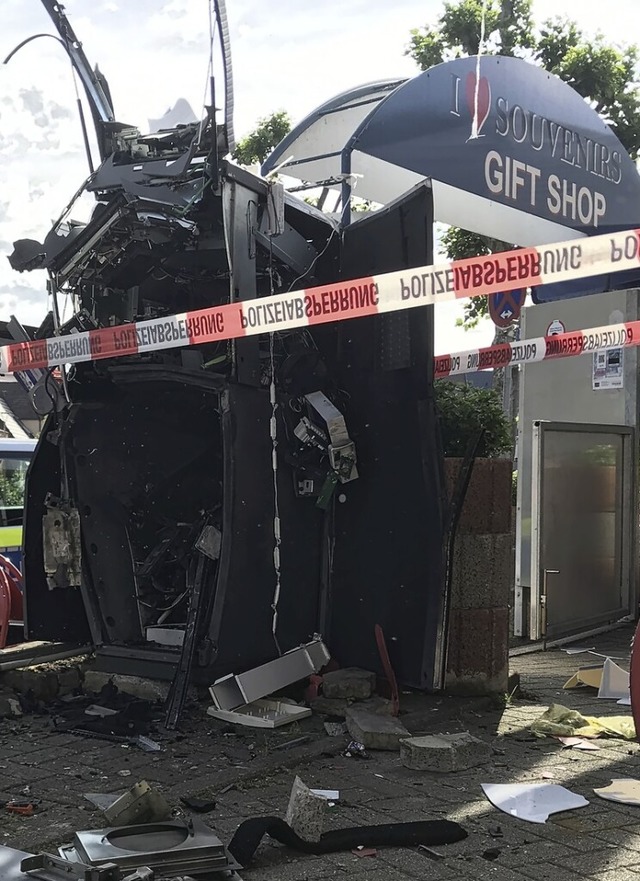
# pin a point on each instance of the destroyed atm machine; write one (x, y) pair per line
(228, 501)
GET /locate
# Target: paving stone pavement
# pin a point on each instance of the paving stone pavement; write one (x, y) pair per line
(599, 842)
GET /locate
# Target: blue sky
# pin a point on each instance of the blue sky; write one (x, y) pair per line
(291, 54)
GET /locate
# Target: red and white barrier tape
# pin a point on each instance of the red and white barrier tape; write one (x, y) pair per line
(390, 292)
(562, 345)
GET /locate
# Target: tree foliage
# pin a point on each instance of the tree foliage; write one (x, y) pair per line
(462, 411)
(604, 74)
(269, 131)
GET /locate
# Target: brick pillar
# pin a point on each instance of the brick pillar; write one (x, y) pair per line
(482, 580)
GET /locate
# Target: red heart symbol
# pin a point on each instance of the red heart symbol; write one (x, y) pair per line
(484, 98)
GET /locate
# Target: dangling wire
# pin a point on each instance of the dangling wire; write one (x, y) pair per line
(476, 97)
(273, 430)
(83, 124)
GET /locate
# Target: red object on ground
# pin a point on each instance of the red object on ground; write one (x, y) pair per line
(25, 810)
(388, 669)
(313, 688)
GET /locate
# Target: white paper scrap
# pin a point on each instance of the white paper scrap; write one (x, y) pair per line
(578, 743)
(330, 794)
(533, 802)
(578, 650)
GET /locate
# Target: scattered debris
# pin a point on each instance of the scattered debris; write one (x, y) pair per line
(199, 805)
(117, 716)
(263, 713)
(329, 794)
(147, 744)
(430, 852)
(298, 741)
(351, 683)
(375, 731)
(444, 752)
(355, 749)
(232, 692)
(149, 690)
(102, 800)
(492, 853)
(625, 790)
(610, 679)
(171, 848)
(559, 721)
(335, 729)
(125, 773)
(615, 682)
(305, 812)
(96, 710)
(23, 808)
(141, 804)
(9, 706)
(533, 802)
(579, 743)
(578, 650)
(365, 851)
(590, 676)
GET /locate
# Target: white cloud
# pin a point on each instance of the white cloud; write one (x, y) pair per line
(289, 54)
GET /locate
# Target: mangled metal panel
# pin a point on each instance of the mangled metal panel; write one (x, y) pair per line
(232, 692)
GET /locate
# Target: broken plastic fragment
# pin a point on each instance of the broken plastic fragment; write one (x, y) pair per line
(615, 682)
(533, 802)
(624, 790)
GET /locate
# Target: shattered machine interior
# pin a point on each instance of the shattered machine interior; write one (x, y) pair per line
(232, 499)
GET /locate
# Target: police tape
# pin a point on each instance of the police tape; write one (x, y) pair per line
(373, 295)
(532, 351)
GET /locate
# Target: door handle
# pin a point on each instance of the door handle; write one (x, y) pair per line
(543, 603)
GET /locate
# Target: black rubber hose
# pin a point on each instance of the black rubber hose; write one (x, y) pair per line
(429, 832)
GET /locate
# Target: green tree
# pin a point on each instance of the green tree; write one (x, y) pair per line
(464, 410)
(604, 74)
(269, 131)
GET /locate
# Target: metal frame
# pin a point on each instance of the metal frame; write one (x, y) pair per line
(537, 620)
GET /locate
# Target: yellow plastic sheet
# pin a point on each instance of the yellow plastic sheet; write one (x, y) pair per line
(559, 721)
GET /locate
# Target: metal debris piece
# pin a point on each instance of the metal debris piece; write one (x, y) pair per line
(298, 741)
(46, 867)
(172, 848)
(61, 544)
(433, 854)
(141, 804)
(232, 692)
